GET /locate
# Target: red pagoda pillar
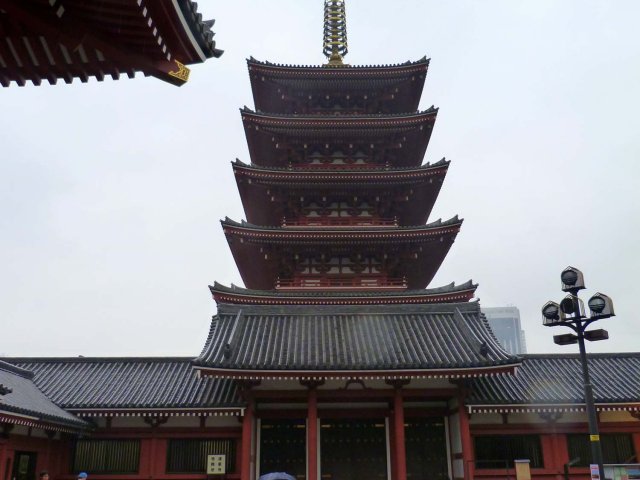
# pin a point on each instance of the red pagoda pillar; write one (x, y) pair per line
(312, 434)
(247, 436)
(399, 460)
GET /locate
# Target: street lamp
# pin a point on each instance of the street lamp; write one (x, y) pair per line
(570, 313)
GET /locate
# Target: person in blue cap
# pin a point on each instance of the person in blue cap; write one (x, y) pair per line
(82, 476)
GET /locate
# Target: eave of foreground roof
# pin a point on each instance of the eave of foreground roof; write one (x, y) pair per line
(82, 39)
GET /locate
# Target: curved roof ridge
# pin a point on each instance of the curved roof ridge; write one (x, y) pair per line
(449, 288)
(320, 116)
(426, 166)
(154, 359)
(408, 63)
(438, 223)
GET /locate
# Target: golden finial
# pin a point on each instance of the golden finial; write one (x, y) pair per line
(335, 31)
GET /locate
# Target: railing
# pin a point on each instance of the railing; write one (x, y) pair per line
(340, 222)
(342, 166)
(338, 283)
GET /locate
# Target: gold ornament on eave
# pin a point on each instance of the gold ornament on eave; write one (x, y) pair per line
(335, 31)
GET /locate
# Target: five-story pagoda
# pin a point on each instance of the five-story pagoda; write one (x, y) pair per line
(336, 339)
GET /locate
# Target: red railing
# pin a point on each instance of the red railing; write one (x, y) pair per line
(340, 222)
(347, 283)
(342, 166)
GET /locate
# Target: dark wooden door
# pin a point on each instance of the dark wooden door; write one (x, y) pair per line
(24, 466)
(426, 447)
(353, 449)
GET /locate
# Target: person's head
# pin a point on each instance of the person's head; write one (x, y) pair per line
(43, 475)
(82, 476)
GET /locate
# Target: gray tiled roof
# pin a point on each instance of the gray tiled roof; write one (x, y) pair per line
(557, 379)
(140, 383)
(26, 399)
(363, 338)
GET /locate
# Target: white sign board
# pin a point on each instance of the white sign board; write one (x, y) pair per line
(216, 464)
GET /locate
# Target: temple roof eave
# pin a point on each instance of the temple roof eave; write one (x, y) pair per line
(401, 374)
(325, 70)
(447, 294)
(338, 120)
(395, 174)
(451, 225)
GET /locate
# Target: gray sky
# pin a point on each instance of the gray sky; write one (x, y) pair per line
(110, 193)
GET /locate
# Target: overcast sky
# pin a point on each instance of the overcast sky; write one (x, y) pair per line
(111, 193)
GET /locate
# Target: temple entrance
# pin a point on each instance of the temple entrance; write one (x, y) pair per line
(353, 449)
(426, 447)
(283, 447)
(24, 466)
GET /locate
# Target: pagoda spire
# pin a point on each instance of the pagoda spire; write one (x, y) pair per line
(335, 31)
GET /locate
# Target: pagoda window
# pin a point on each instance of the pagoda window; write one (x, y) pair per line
(339, 266)
(338, 159)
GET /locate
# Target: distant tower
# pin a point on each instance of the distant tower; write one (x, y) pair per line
(505, 323)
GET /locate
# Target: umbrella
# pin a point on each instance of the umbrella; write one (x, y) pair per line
(277, 476)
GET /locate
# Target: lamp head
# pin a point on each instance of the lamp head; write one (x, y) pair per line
(571, 305)
(572, 280)
(551, 314)
(601, 306)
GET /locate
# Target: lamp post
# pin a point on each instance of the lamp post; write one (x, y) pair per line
(570, 313)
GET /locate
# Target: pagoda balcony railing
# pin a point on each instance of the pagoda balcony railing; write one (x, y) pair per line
(313, 282)
(341, 166)
(340, 222)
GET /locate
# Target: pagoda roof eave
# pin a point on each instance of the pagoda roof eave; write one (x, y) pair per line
(373, 119)
(333, 70)
(367, 232)
(447, 294)
(324, 174)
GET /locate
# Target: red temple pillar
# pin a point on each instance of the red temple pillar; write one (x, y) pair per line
(3, 449)
(465, 438)
(398, 424)
(312, 434)
(247, 437)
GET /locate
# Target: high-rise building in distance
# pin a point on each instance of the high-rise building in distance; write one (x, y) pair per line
(505, 323)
